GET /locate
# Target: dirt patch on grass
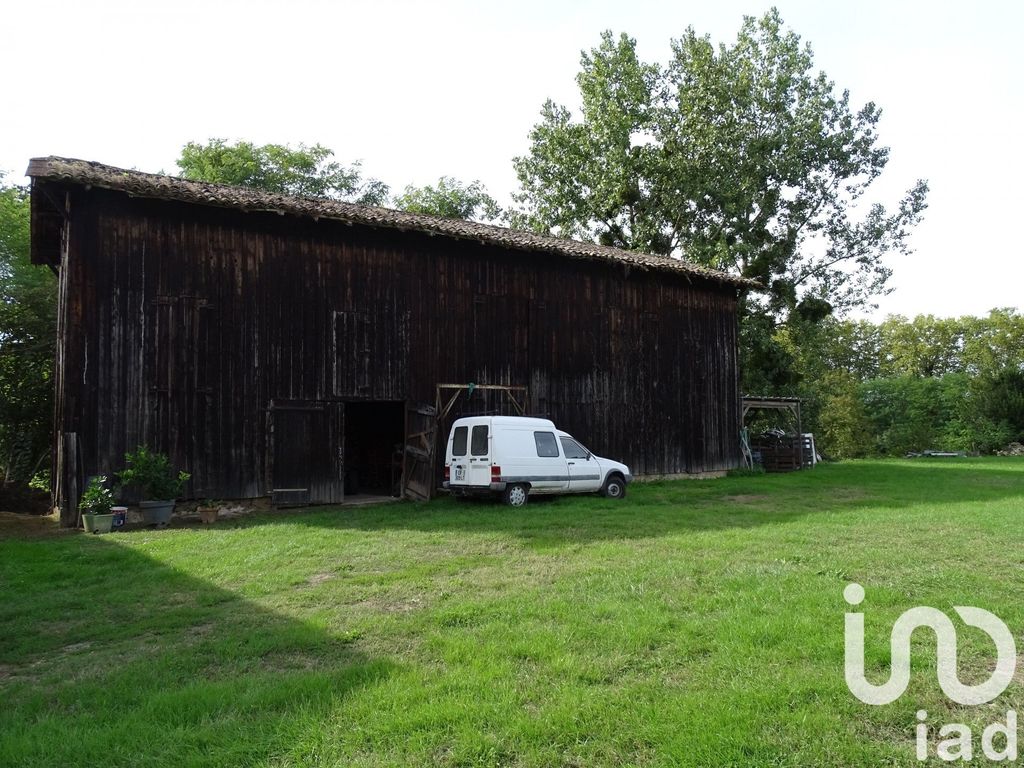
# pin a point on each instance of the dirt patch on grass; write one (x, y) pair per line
(387, 604)
(201, 630)
(17, 525)
(76, 647)
(746, 498)
(319, 578)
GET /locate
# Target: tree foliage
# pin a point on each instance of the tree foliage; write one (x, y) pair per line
(28, 319)
(923, 346)
(303, 170)
(909, 413)
(451, 199)
(310, 171)
(844, 425)
(738, 156)
(909, 384)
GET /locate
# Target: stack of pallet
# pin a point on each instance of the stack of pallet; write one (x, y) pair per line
(780, 454)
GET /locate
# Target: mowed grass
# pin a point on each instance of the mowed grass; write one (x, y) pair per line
(694, 623)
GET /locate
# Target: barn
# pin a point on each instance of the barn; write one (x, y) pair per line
(276, 345)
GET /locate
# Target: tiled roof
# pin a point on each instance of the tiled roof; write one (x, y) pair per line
(162, 187)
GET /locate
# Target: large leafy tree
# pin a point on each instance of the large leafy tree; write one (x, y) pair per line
(451, 199)
(739, 156)
(28, 311)
(301, 170)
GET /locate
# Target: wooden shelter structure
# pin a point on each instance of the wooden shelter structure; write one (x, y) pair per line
(271, 343)
(780, 453)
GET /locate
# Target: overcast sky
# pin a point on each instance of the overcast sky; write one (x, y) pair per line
(417, 90)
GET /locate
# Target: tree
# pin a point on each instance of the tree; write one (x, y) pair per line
(738, 157)
(303, 170)
(845, 428)
(999, 406)
(908, 384)
(993, 343)
(28, 337)
(451, 199)
(910, 413)
(924, 346)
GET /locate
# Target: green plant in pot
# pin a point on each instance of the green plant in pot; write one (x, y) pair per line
(95, 506)
(160, 484)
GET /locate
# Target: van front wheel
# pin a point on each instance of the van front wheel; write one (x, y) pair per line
(515, 495)
(614, 487)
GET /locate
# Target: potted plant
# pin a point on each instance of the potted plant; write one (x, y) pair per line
(208, 511)
(158, 482)
(95, 506)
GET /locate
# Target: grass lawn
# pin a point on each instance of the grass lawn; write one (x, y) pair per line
(695, 623)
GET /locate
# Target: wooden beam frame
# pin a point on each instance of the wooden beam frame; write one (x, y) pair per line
(788, 404)
(445, 407)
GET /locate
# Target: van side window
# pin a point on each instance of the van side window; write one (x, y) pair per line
(546, 445)
(479, 446)
(573, 450)
(459, 440)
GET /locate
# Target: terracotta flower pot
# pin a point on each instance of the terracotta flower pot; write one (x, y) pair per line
(209, 514)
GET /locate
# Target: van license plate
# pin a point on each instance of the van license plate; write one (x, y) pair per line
(460, 473)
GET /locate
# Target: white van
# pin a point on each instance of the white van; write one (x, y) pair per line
(514, 456)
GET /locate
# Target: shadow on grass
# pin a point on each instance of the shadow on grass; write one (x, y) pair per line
(664, 508)
(108, 657)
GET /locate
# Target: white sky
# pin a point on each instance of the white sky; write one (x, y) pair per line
(423, 89)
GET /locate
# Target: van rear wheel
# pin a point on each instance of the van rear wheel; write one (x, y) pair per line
(515, 495)
(614, 487)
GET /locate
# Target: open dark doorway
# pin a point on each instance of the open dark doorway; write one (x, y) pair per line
(374, 433)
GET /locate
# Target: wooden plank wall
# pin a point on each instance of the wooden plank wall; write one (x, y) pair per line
(182, 323)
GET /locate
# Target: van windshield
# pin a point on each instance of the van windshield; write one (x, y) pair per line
(459, 439)
(479, 446)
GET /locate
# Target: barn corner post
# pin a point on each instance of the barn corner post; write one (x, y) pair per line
(50, 245)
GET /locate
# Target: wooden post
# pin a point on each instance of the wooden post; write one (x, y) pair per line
(68, 480)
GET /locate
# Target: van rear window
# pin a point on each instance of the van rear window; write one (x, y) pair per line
(459, 439)
(546, 444)
(480, 440)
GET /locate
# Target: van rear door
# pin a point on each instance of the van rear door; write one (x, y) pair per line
(459, 459)
(478, 471)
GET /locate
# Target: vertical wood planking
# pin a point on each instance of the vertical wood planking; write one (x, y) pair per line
(179, 324)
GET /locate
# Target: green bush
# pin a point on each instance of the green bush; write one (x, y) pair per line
(843, 429)
(910, 413)
(153, 474)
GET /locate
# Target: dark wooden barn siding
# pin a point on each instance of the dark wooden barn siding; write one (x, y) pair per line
(184, 325)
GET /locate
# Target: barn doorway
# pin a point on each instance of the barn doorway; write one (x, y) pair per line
(373, 448)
